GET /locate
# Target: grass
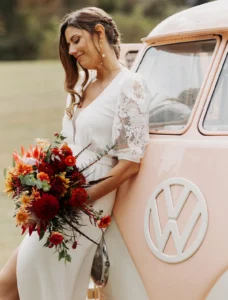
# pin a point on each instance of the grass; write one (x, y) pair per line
(32, 104)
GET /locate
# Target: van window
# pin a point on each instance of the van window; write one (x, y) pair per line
(217, 114)
(130, 57)
(174, 74)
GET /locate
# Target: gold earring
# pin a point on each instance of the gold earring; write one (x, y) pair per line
(100, 43)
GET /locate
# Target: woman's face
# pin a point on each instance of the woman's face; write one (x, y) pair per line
(83, 48)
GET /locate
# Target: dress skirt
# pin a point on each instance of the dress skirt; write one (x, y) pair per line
(40, 276)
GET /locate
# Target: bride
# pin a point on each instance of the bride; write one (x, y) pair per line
(107, 105)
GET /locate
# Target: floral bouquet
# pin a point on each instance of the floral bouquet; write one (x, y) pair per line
(50, 196)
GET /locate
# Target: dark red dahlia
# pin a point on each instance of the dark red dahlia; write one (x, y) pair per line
(46, 207)
(46, 168)
(57, 187)
(78, 197)
(78, 177)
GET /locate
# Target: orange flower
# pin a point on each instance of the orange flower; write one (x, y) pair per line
(104, 222)
(35, 194)
(70, 160)
(22, 217)
(56, 238)
(23, 169)
(43, 176)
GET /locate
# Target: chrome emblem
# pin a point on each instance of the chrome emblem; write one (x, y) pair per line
(161, 237)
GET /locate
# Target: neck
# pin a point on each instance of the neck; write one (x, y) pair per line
(110, 65)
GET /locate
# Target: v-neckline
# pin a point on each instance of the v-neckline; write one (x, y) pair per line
(99, 96)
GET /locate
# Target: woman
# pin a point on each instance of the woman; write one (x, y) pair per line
(107, 106)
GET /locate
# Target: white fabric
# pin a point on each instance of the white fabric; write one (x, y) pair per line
(118, 116)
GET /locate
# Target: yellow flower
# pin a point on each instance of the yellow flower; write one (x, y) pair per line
(22, 217)
(62, 184)
(9, 182)
(65, 180)
(26, 200)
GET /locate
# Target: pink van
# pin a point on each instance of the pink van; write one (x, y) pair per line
(169, 236)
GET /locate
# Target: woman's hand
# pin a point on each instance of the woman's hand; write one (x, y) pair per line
(120, 173)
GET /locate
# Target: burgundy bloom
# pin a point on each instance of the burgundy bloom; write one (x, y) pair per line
(78, 177)
(46, 207)
(74, 245)
(46, 168)
(78, 197)
(57, 186)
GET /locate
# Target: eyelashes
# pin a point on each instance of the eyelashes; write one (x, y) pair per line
(76, 41)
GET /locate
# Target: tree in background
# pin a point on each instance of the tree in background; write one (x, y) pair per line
(28, 28)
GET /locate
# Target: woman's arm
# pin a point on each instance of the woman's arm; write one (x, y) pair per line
(120, 173)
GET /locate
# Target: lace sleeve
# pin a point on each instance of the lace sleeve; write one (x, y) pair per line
(130, 132)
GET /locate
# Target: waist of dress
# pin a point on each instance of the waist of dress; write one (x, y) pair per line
(88, 156)
(104, 160)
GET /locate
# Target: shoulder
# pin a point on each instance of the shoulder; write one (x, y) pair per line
(133, 85)
(131, 80)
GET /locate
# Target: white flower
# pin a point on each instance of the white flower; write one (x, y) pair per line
(43, 143)
(30, 161)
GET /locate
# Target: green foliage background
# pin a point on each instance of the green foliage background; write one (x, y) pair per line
(29, 28)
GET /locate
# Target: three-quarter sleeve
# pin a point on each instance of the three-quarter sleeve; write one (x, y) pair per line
(130, 132)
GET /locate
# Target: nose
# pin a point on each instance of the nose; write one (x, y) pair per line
(72, 49)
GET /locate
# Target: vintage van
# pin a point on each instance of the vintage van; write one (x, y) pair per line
(128, 53)
(169, 236)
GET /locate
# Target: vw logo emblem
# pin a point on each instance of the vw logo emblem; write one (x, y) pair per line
(161, 236)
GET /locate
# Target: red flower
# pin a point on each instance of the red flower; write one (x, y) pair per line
(70, 160)
(78, 177)
(74, 245)
(46, 207)
(66, 151)
(78, 197)
(56, 238)
(47, 168)
(57, 187)
(104, 222)
(55, 151)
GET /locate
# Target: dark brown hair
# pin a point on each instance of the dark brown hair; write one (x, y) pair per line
(86, 19)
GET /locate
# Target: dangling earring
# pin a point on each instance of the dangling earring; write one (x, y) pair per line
(103, 54)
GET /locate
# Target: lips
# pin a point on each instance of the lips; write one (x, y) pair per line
(78, 56)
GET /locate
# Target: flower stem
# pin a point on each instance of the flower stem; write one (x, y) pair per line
(79, 231)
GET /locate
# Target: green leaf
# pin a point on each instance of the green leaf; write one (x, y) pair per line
(61, 254)
(68, 257)
(28, 180)
(39, 183)
(4, 172)
(48, 156)
(42, 232)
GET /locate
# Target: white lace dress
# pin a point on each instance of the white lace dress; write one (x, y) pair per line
(119, 115)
